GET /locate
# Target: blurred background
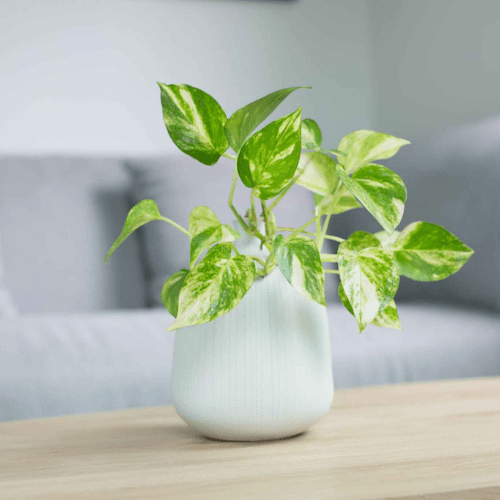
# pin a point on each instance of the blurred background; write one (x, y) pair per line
(82, 138)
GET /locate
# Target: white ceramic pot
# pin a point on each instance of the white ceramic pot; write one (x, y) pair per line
(262, 371)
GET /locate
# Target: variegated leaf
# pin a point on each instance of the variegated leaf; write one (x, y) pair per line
(214, 286)
(244, 121)
(299, 260)
(380, 190)
(368, 274)
(171, 289)
(195, 122)
(317, 173)
(428, 252)
(141, 213)
(268, 160)
(311, 134)
(205, 230)
(387, 318)
(365, 146)
(387, 240)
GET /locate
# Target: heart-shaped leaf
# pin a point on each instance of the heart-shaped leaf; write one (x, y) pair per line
(317, 173)
(171, 289)
(205, 230)
(380, 190)
(195, 122)
(365, 146)
(368, 274)
(428, 252)
(214, 286)
(387, 318)
(299, 260)
(244, 121)
(141, 213)
(311, 134)
(268, 160)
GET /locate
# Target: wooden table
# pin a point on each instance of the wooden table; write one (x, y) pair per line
(439, 439)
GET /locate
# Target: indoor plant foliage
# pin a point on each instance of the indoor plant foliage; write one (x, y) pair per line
(269, 161)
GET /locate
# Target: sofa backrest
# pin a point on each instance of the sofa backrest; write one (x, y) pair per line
(58, 218)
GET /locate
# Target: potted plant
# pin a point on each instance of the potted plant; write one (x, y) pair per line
(252, 351)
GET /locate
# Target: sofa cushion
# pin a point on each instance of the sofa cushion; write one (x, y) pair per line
(73, 363)
(7, 307)
(58, 218)
(452, 180)
(178, 183)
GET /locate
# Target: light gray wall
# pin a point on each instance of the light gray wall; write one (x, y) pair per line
(434, 63)
(80, 76)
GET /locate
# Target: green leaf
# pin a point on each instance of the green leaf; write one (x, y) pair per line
(244, 121)
(299, 260)
(171, 289)
(387, 240)
(141, 213)
(387, 318)
(317, 172)
(268, 160)
(214, 286)
(428, 252)
(380, 190)
(368, 274)
(195, 122)
(365, 146)
(205, 230)
(311, 134)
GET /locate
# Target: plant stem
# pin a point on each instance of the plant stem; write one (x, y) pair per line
(334, 238)
(175, 225)
(233, 246)
(265, 213)
(329, 257)
(292, 229)
(260, 261)
(323, 232)
(232, 207)
(301, 229)
(227, 155)
(331, 271)
(252, 205)
(282, 194)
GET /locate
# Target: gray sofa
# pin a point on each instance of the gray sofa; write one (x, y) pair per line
(80, 336)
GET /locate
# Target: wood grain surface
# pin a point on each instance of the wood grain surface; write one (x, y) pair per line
(432, 441)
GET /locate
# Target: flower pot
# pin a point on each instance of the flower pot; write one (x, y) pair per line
(260, 372)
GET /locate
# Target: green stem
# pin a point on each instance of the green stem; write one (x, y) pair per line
(323, 232)
(334, 238)
(265, 213)
(300, 229)
(318, 231)
(227, 155)
(233, 246)
(292, 229)
(331, 271)
(329, 257)
(232, 207)
(254, 212)
(175, 225)
(260, 261)
(282, 194)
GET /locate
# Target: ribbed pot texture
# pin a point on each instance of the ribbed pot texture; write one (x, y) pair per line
(262, 371)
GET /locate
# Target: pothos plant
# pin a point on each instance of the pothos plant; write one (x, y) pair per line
(269, 162)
